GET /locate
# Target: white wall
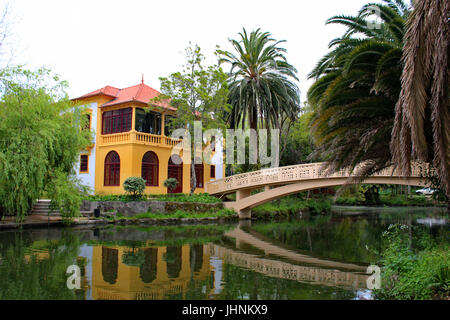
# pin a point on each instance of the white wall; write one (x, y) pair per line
(88, 179)
(218, 160)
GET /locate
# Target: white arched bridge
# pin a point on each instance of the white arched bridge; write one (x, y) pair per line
(283, 181)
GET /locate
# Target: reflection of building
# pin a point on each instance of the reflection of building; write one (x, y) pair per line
(122, 273)
(133, 139)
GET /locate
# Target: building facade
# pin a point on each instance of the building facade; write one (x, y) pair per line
(132, 139)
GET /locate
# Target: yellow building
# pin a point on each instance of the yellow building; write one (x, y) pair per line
(132, 139)
(165, 271)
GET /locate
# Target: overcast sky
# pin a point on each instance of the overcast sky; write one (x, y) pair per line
(96, 43)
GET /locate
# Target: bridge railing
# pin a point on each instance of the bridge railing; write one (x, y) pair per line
(300, 172)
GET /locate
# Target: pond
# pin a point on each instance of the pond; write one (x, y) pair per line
(324, 257)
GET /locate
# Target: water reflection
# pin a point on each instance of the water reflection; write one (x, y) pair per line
(110, 262)
(148, 270)
(319, 258)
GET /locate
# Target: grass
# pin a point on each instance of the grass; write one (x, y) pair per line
(180, 214)
(197, 198)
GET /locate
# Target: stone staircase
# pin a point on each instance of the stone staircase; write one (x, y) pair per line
(42, 208)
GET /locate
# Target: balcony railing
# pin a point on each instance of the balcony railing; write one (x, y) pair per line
(139, 138)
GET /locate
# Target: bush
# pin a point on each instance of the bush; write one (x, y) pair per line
(135, 186)
(66, 195)
(418, 271)
(292, 205)
(171, 183)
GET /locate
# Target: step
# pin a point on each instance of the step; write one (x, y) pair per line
(41, 207)
(46, 213)
(40, 211)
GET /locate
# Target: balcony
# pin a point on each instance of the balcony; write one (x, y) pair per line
(138, 138)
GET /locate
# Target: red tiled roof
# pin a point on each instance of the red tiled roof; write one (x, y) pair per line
(138, 93)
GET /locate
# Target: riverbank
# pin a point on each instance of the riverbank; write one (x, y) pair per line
(38, 221)
(119, 210)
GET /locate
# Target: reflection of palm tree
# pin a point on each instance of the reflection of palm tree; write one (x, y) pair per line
(422, 122)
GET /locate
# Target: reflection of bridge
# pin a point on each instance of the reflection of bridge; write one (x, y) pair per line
(271, 249)
(280, 182)
(312, 270)
(283, 270)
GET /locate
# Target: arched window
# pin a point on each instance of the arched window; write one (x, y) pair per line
(199, 174)
(175, 170)
(150, 169)
(112, 169)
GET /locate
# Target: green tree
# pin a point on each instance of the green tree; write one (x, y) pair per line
(40, 140)
(200, 94)
(357, 86)
(261, 82)
(422, 119)
(297, 145)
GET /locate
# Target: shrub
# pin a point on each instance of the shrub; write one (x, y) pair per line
(135, 186)
(413, 272)
(171, 183)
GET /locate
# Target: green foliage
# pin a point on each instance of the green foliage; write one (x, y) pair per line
(418, 271)
(135, 186)
(292, 205)
(26, 277)
(181, 214)
(356, 88)
(133, 258)
(200, 94)
(195, 198)
(40, 140)
(66, 193)
(297, 143)
(170, 183)
(261, 82)
(388, 200)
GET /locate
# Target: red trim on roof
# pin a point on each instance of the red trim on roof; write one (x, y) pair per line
(138, 93)
(107, 91)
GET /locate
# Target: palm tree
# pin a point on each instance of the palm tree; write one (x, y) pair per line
(357, 86)
(261, 84)
(422, 116)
